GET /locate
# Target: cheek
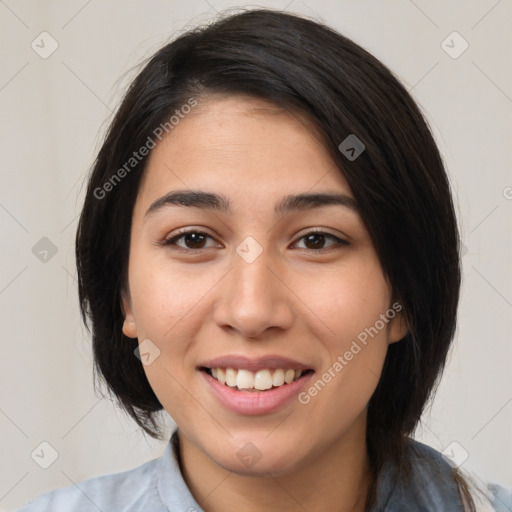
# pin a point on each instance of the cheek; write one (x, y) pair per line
(352, 306)
(162, 296)
(348, 300)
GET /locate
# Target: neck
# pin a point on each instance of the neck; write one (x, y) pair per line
(337, 479)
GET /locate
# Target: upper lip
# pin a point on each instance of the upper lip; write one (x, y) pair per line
(254, 363)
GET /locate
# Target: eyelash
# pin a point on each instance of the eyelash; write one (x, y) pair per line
(172, 241)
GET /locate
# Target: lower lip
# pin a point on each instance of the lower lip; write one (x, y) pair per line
(255, 402)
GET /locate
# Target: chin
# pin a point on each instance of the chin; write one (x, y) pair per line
(257, 455)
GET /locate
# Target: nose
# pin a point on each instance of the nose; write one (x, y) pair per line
(254, 299)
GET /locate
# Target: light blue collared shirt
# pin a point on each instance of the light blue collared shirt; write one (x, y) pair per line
(158, 486)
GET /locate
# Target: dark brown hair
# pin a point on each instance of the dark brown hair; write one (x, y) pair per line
(399, 183)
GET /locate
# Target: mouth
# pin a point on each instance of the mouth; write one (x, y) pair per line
(263, 380)
(255, 385)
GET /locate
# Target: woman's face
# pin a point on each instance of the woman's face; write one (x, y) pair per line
(252, 294)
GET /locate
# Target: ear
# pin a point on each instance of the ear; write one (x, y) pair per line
(397, 328)
(129, 325)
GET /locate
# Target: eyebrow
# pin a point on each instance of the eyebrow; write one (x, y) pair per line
(220, 203)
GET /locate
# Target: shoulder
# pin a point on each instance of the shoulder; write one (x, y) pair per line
(488, 496)
(132, 490)
(501, 497)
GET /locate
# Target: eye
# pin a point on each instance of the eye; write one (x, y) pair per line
(315, 240)
(192, 239)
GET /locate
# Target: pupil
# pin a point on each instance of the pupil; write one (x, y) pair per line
(315, 240)
(194, 238)
(318, 237)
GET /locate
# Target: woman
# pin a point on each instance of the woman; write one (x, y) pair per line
(268, 251)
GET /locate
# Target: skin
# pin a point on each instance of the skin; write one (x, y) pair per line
(293, 300)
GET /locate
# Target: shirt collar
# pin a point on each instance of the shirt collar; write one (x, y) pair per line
(429, 485)
(172, 487)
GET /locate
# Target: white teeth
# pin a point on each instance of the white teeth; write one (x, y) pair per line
(260, 380)
(278, 378)
(288, 376)
(244, 379)
(231, 377)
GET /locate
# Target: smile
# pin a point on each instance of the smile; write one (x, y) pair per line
(262, 380)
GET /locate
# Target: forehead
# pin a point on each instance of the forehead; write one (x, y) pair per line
(243, 147)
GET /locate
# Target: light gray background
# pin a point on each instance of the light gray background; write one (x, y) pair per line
(54, 114)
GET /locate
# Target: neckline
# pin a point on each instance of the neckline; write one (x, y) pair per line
(429, 486)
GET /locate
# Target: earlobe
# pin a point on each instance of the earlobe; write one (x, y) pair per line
(398, 328)
(129, 325)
